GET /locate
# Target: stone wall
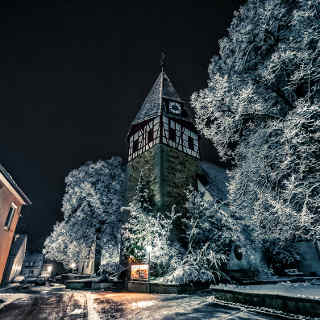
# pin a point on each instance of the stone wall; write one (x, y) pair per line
(162, 288)
(148, 162)
(169, 171)
(309, 255)
(179, 171)
(251, 260)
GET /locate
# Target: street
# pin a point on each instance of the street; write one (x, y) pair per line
(59, 304)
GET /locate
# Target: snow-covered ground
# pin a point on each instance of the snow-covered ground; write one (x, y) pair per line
(302, 289)
(11, 297)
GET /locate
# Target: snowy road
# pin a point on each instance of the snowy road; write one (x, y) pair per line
(88, 305)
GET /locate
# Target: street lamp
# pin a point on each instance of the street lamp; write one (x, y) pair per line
(73, 266)
(49, 270)
(148, 249)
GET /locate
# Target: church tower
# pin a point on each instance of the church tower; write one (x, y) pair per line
(164, 145)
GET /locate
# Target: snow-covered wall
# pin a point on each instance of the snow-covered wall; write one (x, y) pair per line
(310, 262)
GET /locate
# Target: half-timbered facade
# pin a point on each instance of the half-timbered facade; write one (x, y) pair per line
(163, 144)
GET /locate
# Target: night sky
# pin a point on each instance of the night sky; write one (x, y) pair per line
(73, 74)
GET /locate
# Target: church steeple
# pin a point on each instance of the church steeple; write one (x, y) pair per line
(153, 103)
(163, 142)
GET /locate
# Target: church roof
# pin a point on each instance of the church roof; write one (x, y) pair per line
(217, 180)
(151, 107)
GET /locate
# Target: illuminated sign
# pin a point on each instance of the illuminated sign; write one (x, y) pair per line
(139, 272)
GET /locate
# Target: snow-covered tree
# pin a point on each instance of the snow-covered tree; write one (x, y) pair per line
(208, 224)
(91, 206)
(209, 232)
(60, 246)
(261, 110)
(148, 229)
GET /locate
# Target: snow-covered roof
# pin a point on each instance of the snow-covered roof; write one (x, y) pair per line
(217, 180)
(10, 180)
(151, 107)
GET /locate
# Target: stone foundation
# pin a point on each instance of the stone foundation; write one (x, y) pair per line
(153, 287)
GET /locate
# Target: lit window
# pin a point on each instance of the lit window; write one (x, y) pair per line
(190, 143)
(150, 135)
(10, 216)
(172, 134)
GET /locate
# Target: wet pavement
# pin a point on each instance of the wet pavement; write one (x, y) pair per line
(56, 303)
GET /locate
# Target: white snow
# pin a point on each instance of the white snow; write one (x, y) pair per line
(142, 304)
(92, 312)
(76, 312)
(11, 297)
(303, 289)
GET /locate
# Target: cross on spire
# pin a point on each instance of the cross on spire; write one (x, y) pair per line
(162, 60)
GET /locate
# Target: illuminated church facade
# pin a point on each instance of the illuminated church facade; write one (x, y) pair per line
(163, 145)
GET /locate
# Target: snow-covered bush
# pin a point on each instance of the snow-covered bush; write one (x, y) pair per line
(92, 219)
(201, 265)
(209, 233)
(261, 110)
(208, 221)
(111, 269)
(186, 274)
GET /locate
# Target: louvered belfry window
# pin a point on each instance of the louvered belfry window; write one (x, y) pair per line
(190, 143)
(135, 146)
(150, 135)
(172, 134)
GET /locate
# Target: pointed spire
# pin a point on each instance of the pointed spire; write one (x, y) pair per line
(162, 60)
(152, 105)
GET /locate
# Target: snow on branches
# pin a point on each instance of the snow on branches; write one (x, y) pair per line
(91, 206)
(261, 110)
(209, 232)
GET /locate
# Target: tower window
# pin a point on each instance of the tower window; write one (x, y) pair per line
(172, 134)
(190, 143)
(135, 146)
(150, 135)
(10, 216)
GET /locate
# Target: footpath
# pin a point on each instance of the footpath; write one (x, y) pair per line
(300, 298)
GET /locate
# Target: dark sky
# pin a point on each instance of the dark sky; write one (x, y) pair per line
(73, 74)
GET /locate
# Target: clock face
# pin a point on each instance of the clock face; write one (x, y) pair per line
(175, 107)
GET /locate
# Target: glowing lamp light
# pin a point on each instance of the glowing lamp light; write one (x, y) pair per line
(49, 269)
(72, 265)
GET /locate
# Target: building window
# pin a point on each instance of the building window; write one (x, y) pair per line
(172, 134)
(150, 135)
(135, 146)
(190, 143)
(10, 216)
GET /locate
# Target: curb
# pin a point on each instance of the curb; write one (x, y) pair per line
(270, 312)
(294, 307)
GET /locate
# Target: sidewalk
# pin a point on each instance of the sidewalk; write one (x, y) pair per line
(9, 287)
(294, 298)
